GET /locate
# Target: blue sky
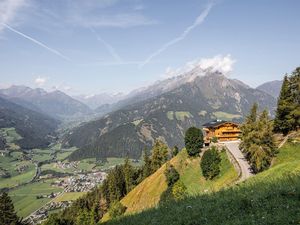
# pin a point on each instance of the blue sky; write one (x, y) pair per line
(95, 46)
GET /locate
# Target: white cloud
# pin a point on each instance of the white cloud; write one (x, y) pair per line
(199, 20)
(8, 11)
(40, 81)
(219, 63)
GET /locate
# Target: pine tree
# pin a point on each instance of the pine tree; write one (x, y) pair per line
(210, 163)
(128, 175)
(283, 121)
(159, 155)
(172, 176)
(295, 93)
(193, 141)
(248, 129)
(147, 164)
(116, 184)
(8, 215)
(95, 214)
(84, 218)
(257, 140)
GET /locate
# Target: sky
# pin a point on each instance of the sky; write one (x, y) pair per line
(96, 46)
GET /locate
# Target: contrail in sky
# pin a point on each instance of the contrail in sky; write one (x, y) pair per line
(37, 42)
(199, 20)
(110, 48)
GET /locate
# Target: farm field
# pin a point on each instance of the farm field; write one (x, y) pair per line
(69, 196)
(24, 198)
(18, 179)
(111, 162)
(226, 116)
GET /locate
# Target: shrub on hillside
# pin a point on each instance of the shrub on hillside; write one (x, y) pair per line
(160, 154)
(193, 141)
(172, 176)
(179, 190)
(175, 151)
(210, 163)
(116, 209)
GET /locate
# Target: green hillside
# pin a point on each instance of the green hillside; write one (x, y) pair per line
(147, 194)
(271, 197)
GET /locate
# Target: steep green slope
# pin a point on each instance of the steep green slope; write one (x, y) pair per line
(147, 194)
(271, 197)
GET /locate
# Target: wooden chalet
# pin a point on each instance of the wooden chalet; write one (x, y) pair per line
(222, 130)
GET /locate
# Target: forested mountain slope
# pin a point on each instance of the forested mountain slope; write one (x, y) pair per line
(200, 99)
(35, 128)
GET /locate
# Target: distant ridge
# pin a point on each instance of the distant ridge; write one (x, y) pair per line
(56, 103)
(271, 87)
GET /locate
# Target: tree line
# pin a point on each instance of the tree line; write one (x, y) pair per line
(257, 140)
(288, 108)
(119, 182)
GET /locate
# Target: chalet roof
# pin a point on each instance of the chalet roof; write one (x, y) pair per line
(216, 123)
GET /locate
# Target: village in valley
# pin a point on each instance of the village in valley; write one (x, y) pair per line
(46, 179)
(79, 183)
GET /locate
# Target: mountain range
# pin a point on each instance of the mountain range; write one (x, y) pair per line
(99, 100)
(55, 104)
(164, 111)
(123, 125)
(271, 87)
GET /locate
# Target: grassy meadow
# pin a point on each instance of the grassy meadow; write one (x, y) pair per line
(24, 197)
(69, 196)
(147, 194)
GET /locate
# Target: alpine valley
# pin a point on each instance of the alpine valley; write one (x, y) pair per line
(140, 112)
(164, 111)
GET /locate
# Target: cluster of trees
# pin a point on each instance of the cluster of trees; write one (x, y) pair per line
(8, 215)
(210, 163)
(87, 210)
(176, 189)
(120, 181)
(257, 140)
(288, 109)
(193, 141)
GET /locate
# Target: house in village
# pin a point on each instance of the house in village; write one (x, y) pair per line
(221, 130)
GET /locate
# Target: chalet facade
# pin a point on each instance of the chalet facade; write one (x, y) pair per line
(222, 130)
